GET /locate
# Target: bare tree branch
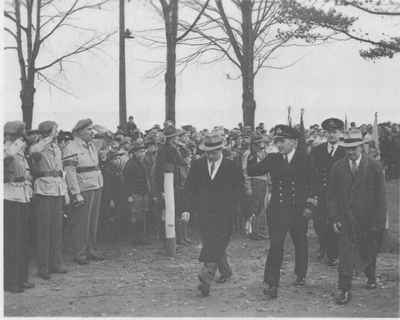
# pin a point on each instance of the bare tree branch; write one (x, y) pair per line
(88, 45)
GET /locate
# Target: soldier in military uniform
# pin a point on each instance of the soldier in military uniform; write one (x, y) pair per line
(50, 190)
(85, 183)
(17, 198)
(291, 198)
(323, 157)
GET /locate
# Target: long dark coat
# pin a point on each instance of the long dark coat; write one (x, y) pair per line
(215, 201)
(291, 184)
(322, 163)
(358, 203)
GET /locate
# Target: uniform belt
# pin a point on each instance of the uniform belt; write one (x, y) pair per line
(51, 173)
(87, 169)
(15, 179)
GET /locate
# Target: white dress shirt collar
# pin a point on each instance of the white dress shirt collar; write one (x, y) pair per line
(290, 155)
(216, 168)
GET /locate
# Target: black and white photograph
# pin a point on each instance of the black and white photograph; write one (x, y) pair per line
(200, 158)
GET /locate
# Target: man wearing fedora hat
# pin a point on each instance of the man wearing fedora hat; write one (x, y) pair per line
(214, 187)
(357, 208)
(50, 191)
(85, 183)
(291, 199)
(323, 157)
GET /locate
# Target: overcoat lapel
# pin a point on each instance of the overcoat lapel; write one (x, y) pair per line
(360, 172)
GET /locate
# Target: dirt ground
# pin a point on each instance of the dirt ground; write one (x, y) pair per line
(142, 281)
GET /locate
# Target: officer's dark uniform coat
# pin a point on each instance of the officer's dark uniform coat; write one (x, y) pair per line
(322, 163)
(291, 186)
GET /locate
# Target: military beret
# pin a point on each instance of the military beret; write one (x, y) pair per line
(332, 124)
(46, 126)
(14, 128)
(284, 131)
(82, 124)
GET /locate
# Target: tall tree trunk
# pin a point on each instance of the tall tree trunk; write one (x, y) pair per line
(247, 64)
(27, 99)
(170, 82)
(248, 102)
(171, 27)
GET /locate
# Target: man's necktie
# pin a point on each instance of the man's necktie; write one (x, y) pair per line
(212, 168)
(331, 150)
(353, 167)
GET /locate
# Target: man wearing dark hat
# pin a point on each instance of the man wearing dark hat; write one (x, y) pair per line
(17, 198)
(85, 182)
(136, 191)
(291, 199)
(169, 159)
(357, 208)
(214, 188)
(50, 191)
(323, 157)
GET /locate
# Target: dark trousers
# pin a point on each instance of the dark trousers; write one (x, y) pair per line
(16, 246)
(84, 220)
(347, 261)
(328, 239)
(297, 227)
(209, 269)
(49, 232)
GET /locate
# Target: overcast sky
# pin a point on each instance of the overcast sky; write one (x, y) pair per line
(329, 80)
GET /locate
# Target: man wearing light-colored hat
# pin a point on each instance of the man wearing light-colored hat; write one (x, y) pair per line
(357, 208)
(214, 188)
(85, 184)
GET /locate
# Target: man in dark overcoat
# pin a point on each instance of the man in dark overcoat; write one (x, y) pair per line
(357, 207)
(214, 188)
(291, 201)
(323, 157)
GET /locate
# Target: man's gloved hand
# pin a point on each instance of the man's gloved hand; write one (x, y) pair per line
(112, 204)
(337, 227)
(130, 199)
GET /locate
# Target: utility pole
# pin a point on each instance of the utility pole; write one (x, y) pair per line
(122, 71)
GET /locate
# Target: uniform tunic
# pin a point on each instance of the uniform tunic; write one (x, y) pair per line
(17, 197)
(50, 190)
(84, 177)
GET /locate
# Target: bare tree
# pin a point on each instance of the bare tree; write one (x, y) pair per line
(169, 11)
(33, 23)
(249, 33)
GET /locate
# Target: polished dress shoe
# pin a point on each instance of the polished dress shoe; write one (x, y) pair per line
(272, 292)
(15, 289)
(343, 297)
(59, 270)
(223, 278)
(28, 285)
(44, 275)
(96, 257)
(81, 261)
(371, 284)
(332, 262)
(300, 282)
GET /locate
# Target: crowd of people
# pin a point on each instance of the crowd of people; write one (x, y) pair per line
(92, 181)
